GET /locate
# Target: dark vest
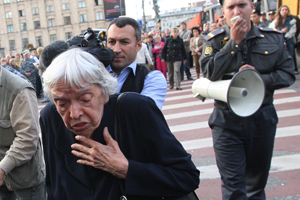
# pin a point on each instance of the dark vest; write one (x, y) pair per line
(135, 83)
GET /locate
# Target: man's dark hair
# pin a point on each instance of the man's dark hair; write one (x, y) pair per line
(123, 21)
(150, 36)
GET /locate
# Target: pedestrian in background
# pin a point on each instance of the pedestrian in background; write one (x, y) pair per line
(174, 54)
(185, 35)
(287, 25)
(150, 45)
(29, 68)
(161, 66)
(18, 59)
(12, 63)
(206, 29)
(143, 55)
(196, 45)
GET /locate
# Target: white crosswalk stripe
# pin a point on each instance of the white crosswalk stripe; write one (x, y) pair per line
(186, 109)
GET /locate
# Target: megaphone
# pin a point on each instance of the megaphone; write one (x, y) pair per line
(244, 93)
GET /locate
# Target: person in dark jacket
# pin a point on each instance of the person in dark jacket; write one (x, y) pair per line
(244, 145)
(173, 54)
(84, 160)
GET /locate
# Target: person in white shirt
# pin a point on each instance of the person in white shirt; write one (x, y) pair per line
(142, 55)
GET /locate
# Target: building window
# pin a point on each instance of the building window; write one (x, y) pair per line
(23, 27)
(67, 20)
(35, 11)
(38, 40)
(21, 13)
(8, 15)
(68, 35)
(99, 15)
(98, 2)
(83, 18)
(65, 6)
(51, 22)
(10, 28)
(12, 45)
(81, 4)
(49, 9)
(52, 38)
(37, 24)
(24, 42)
(19, 0)
(6, 1)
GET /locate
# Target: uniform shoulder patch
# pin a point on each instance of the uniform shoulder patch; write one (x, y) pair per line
(270, 30)
(214, 34)
(208, 50)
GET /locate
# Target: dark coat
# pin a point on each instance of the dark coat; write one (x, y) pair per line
(264, 49)
(158, 164)
(174, 50)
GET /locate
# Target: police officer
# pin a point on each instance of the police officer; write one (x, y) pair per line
(244, 145)
(29, 68)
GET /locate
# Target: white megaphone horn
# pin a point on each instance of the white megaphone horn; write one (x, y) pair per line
(244, 93)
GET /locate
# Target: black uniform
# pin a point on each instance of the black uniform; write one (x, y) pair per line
(244, 146)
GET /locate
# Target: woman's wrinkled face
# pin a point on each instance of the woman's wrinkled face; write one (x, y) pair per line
(80, 108)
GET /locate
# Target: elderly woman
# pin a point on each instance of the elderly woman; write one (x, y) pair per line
(174, 54)
(159, 45)
(287, 25)
(82, 153)
(196, 44)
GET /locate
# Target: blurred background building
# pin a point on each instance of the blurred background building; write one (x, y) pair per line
(40, 22)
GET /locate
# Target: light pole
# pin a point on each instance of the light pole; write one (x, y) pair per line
(144, 17)
(156, 10)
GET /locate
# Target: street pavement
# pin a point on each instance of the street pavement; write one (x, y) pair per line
(187, 118)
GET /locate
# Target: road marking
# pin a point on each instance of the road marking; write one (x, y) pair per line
(207, 142)
(283, 91)
(196, 103)
(279, 164)
(282, 113)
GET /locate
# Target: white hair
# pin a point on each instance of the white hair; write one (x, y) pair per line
(75, 68)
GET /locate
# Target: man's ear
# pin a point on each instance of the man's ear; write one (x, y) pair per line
(139, 45)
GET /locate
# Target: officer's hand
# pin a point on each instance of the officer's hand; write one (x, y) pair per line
(2, 173)
(246, 67)
(107, 157)
(163, 60)
(184, 61)
(28, 74)
(238, 31)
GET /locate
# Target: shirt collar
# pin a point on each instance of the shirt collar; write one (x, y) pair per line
(131, 66)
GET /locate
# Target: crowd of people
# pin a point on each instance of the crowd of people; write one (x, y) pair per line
(103, 133)
(26, 65)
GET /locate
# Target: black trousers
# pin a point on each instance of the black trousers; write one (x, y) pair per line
(243, 148)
